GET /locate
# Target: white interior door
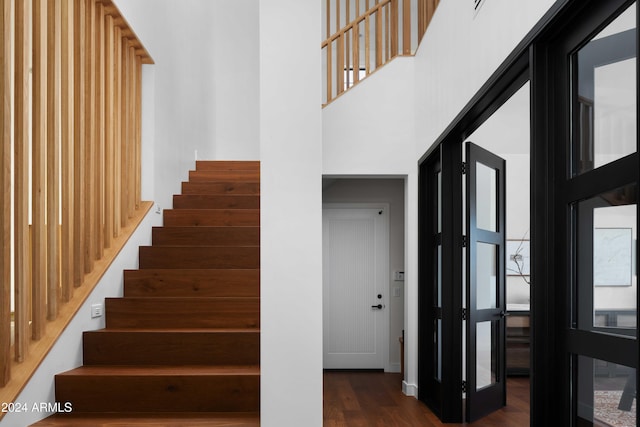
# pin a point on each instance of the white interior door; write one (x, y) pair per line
(355, 282)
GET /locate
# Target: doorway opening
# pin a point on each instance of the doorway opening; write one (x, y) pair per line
(363, 273)
(475, 285)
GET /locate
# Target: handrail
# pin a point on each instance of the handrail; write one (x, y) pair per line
(69, 164)
(373, 37)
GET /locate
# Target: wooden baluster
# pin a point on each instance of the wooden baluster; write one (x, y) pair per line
(53, 157)
(109, 132)
(117, 158)
(131, 157)
(378, 37)
(328, 18)
(138, 134)
(21, 188)
(338, 26)
(406, 27)
(394, 28)
(5, 193)
(367, 44)
(329, 72)
(124, 139)
(100, 131)
(38, 172)
(67, 121)
(132, 131)
(90, 142)
(340, 64)
(356, 51)
(387, 34)
(79, 67)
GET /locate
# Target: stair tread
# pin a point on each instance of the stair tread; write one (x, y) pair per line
(181, 419)
(249, 165)
(177, 330)
(162, 370)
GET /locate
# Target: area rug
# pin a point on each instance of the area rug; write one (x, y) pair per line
(606, 410)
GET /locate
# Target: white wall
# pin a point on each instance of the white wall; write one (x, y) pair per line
(205, 82)
(371, 132)
(459, 53)
(389, 191)
(291, 213)
(66, 353)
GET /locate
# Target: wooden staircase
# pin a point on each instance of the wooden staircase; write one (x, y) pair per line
(182, 347)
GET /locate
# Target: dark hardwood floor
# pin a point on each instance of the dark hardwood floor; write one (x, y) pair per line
(365, 398)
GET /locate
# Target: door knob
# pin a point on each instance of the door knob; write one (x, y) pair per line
(379, 306)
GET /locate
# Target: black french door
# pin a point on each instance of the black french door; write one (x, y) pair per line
(451, 301)
(592, 191)
(485, 282)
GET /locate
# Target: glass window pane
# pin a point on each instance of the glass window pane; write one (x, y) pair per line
(486, 276)
(486, 203)
(605, 105)
(605, 272)
(486, 354)
(438, 349)
(606, 393)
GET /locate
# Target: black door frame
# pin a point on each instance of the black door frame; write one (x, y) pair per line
(481, 402)
(529, 61)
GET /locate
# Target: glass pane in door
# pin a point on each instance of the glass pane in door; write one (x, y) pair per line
(486, 198)
(606, 393)
(606, 234)
(605, 95)
(486, 354)
(486, 276)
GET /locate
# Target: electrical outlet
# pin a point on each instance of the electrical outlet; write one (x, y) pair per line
(96, 310)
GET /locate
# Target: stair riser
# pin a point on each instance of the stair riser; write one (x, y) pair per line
(211, 217)
(215, 202)
(220, 165)
(156, 313)
(171, 348)
(167, 257)
(212, 175)
(206, 236)
(191, 283)
(201, 393)
(221, 188)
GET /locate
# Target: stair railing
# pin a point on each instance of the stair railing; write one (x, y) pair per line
(363, 35)
(70, 74)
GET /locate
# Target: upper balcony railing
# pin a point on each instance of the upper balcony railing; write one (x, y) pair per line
(70, 78)
(363, 35)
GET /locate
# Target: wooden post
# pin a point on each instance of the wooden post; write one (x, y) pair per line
(378, 38)
(394, 28)
(356, 51)
(21, 188)
(79, 67)
(340, 64)
(100, 130)
(67, 121)
(53, 157)
(90, 140)
(406, 27)
(117, 158)
(109, 132)
(5, 193)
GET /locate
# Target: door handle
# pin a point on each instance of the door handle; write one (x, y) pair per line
(379, 306)
(503, 314)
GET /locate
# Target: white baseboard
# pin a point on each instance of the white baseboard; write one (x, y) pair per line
(393, 367)
(409, 389)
